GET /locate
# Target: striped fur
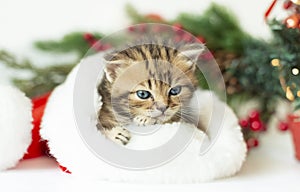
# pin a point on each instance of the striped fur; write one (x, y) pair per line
(155, 68)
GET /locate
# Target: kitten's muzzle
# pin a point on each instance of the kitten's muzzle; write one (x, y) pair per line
(162, 108)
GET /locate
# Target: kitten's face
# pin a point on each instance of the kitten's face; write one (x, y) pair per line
(160, 101)
(161, 96)
(155, 87)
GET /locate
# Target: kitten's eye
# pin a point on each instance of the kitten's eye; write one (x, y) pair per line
(175, 90)
(143, 94)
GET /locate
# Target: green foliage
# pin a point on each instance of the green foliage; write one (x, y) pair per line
(218, 26)
(41, 80)
(45, 79)
(255, 72)
(222, 32)
(201, 79)
(297, 104)
(72, 42)
(287, 45)
(135, 16)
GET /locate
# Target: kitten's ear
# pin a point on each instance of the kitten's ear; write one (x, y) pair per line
(111, 71)
(192, 51)
(113, 66)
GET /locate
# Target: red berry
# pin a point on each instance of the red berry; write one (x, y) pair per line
(283, 126)
(287, 4)
(254, 115)
(97, 45)
(131, 28)
(243, 123)
(142, 27)
(157, 28)
(207, 56)
(154, 17)
(177, 26)
(177, 38)
(186, 37)
(263, 127)
(106, 46)
(252, 142)
(201, 39)
(88, 36)
(256, 126)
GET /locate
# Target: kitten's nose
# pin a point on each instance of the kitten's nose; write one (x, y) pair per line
(162, 108)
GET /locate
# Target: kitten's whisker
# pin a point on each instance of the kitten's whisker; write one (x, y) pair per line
(187, 112)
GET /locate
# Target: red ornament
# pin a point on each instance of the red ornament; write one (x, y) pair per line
(256, 126)
(252, 142)
(283, 126)
(294, 125)
(293, 21)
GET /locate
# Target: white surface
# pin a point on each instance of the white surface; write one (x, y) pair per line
(271, 167)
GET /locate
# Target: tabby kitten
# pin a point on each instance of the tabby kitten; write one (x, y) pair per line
(146, 84)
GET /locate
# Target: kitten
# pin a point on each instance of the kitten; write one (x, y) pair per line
(147, 84)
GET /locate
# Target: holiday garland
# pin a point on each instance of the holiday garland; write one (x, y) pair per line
(252, 68)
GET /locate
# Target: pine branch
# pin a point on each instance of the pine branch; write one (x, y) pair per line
(42, 80)
(10, 61)
(72, 42)
(218, 26)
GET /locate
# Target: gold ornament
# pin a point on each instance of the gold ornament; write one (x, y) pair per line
(275, 62)
(297, 2)
(293, 21)
(289, 94)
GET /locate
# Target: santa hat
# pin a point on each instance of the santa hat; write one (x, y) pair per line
(15, 126)
(20, 120)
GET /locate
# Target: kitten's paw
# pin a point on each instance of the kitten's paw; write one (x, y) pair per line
(118, 135)
(143, 121)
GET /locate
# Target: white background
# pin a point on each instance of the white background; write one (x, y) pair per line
(25, 21)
